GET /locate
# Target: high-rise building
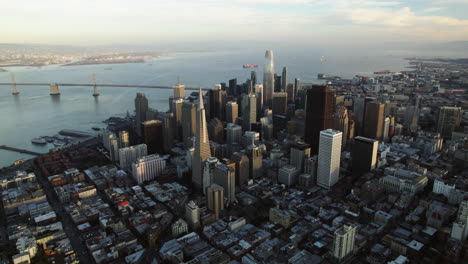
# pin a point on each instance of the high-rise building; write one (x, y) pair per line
(364, 111)
(310, 167)
(373, 120)
(177, 111)
(232, 87)
(291, 93)
(242, 168)
(449, 119)
(297, 84)
(148, 168)
(202, 144)
(114, 149)
(124, 140)
(460, 226)
(249, 111)
(216, 102)
(189, 117)
(168, 130)
(280, 103)
(233, 135)
(232, 112)
(209, 166)
(386, 129)
(253, 77)
(300, 151)
(277, 86)
(225, 176)
(129, 155)
(284, 80)
(287, 175)
(340, 123)
(215, 199)
(153, 136)
(141, 107)
(255, 161)
(343, 242)
(364, 155)
(179, 91)
(328, 169)
(258, 89)
(319, 114)
(107, 136)
(216, 130)
(268, 79)
(192, 214)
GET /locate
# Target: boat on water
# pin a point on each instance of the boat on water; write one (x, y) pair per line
(382, 72)
(249, 66)
(96, 128)
(39, 141)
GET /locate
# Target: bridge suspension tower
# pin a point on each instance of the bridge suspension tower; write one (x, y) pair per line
(96, 91)
(13, 81)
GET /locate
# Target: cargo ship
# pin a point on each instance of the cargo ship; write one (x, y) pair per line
(249, 66)
(382, 72)
(39, 141)
(322, 76)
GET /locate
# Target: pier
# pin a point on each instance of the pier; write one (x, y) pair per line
(24, 151)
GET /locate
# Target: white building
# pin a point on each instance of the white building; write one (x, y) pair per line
(328, 170)
(179, 227)
(287, 175)
(124, 140)
(148, 168)
(129, 155)
(443, 188)
(460, 226)
(343, 242)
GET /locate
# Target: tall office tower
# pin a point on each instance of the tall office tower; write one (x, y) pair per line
(249, 138)
(107, 135)
(202, 144)
(209, 166)
(398, 129)
(167, 120)
(225, 176)
(148, 168)
(114, 149)
(343, 242)
(284, 80)
(242, 168)
(364, 155)
(267, 128)
(216, 102)
(253, 77)
(215, 199)
(391, 130)
(291, 93)
(192, 214)
(280, 103)
(232, 87)
(249, 111)
(328, 169)
(189, 118)
(232, 112)
(364, 121)
(216, 130)
(310, 167)
(412, 118)
(233, 134)
(300, 151)
(179, 91)
(259, 92)
(460, 226)
(277, 88)
(141, 107)
(255, 161)
(177, 111)
(268, 79)
(287, 175)
(129, 155)
(358, 110)
(351, 128)
(319, 114)
(340, 122)
(449, 120)
(153, 136)
(373, 120)
(386, 129)
(124, 140)
(297, 84)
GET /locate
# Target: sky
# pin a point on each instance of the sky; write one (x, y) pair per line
(106, 22)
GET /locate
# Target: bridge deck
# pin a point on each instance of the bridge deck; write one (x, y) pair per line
(101, 85)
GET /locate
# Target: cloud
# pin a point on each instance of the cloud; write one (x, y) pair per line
(433, 9)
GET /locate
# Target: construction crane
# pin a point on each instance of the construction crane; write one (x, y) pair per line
(96, 92)
(13, 81)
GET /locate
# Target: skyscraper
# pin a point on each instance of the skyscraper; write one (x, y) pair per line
(202, 144)
(460, 226)
(141, 107)
(364, 155)
(268, 79)
(287, 175)
(215, 199)
(148, 168)
(242, 168)
(168, 130)
(232, 112)
(249, 111)
(216, 130)
(284, 80)
(179, 91)
(373, 120)
(216, 102)
(129, 155)
(299, 152)
(291, 93)
(259, 92)
(343, 242)
(153, 136)
(448, 121)
(209, 166)
(124, 140)
(319, 114)
(280, 103)
(253, 77)
(328, 170)
(255, 161)
(340, 122)
(177, 111)
(386, 129)
(189, 118)
(277, 86)
(225, 176)
(192, 214)
(232, 87)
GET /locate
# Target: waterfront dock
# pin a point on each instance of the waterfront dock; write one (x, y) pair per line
(24, 151)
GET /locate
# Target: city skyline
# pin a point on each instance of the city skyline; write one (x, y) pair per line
(125, 22)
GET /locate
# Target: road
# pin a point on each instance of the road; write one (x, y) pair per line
(68, 226)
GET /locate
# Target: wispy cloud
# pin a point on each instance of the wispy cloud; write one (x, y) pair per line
(433, 9)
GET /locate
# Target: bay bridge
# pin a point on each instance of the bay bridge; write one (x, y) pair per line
(55, 87)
